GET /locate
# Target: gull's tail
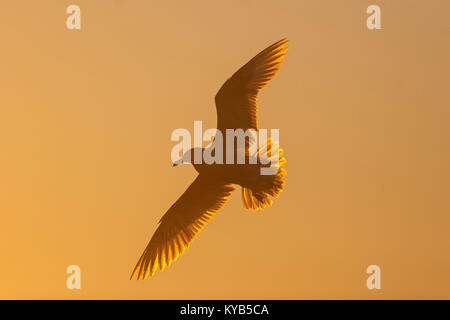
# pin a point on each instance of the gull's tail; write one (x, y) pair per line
(270, 182)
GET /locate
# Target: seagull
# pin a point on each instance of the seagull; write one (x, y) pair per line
(236, 106)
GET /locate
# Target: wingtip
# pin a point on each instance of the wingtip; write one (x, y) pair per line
(281, 46)
(139, 275)
(283, 41)
(133, 274)
(285, 44)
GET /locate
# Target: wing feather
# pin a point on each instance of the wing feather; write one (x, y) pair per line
(181, 223)
(236, 100)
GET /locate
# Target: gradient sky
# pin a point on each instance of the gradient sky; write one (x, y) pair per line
(85, 169)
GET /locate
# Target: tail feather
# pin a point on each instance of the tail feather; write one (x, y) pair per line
(269, 185)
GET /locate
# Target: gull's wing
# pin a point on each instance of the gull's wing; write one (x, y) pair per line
(236, 99)
(181, 223)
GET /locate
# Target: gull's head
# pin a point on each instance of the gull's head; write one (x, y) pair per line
(186, 158)
(189, 156)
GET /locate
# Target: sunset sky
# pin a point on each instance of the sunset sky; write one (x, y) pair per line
(85, 169)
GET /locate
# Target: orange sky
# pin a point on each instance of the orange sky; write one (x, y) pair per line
(85, 170)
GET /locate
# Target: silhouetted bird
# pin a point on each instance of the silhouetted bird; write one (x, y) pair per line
(236, 108)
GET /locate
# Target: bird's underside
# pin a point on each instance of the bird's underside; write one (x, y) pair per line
(236, 108)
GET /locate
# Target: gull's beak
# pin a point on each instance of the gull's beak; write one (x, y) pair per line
(177, 162)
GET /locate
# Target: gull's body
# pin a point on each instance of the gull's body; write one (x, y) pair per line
(236, 109)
